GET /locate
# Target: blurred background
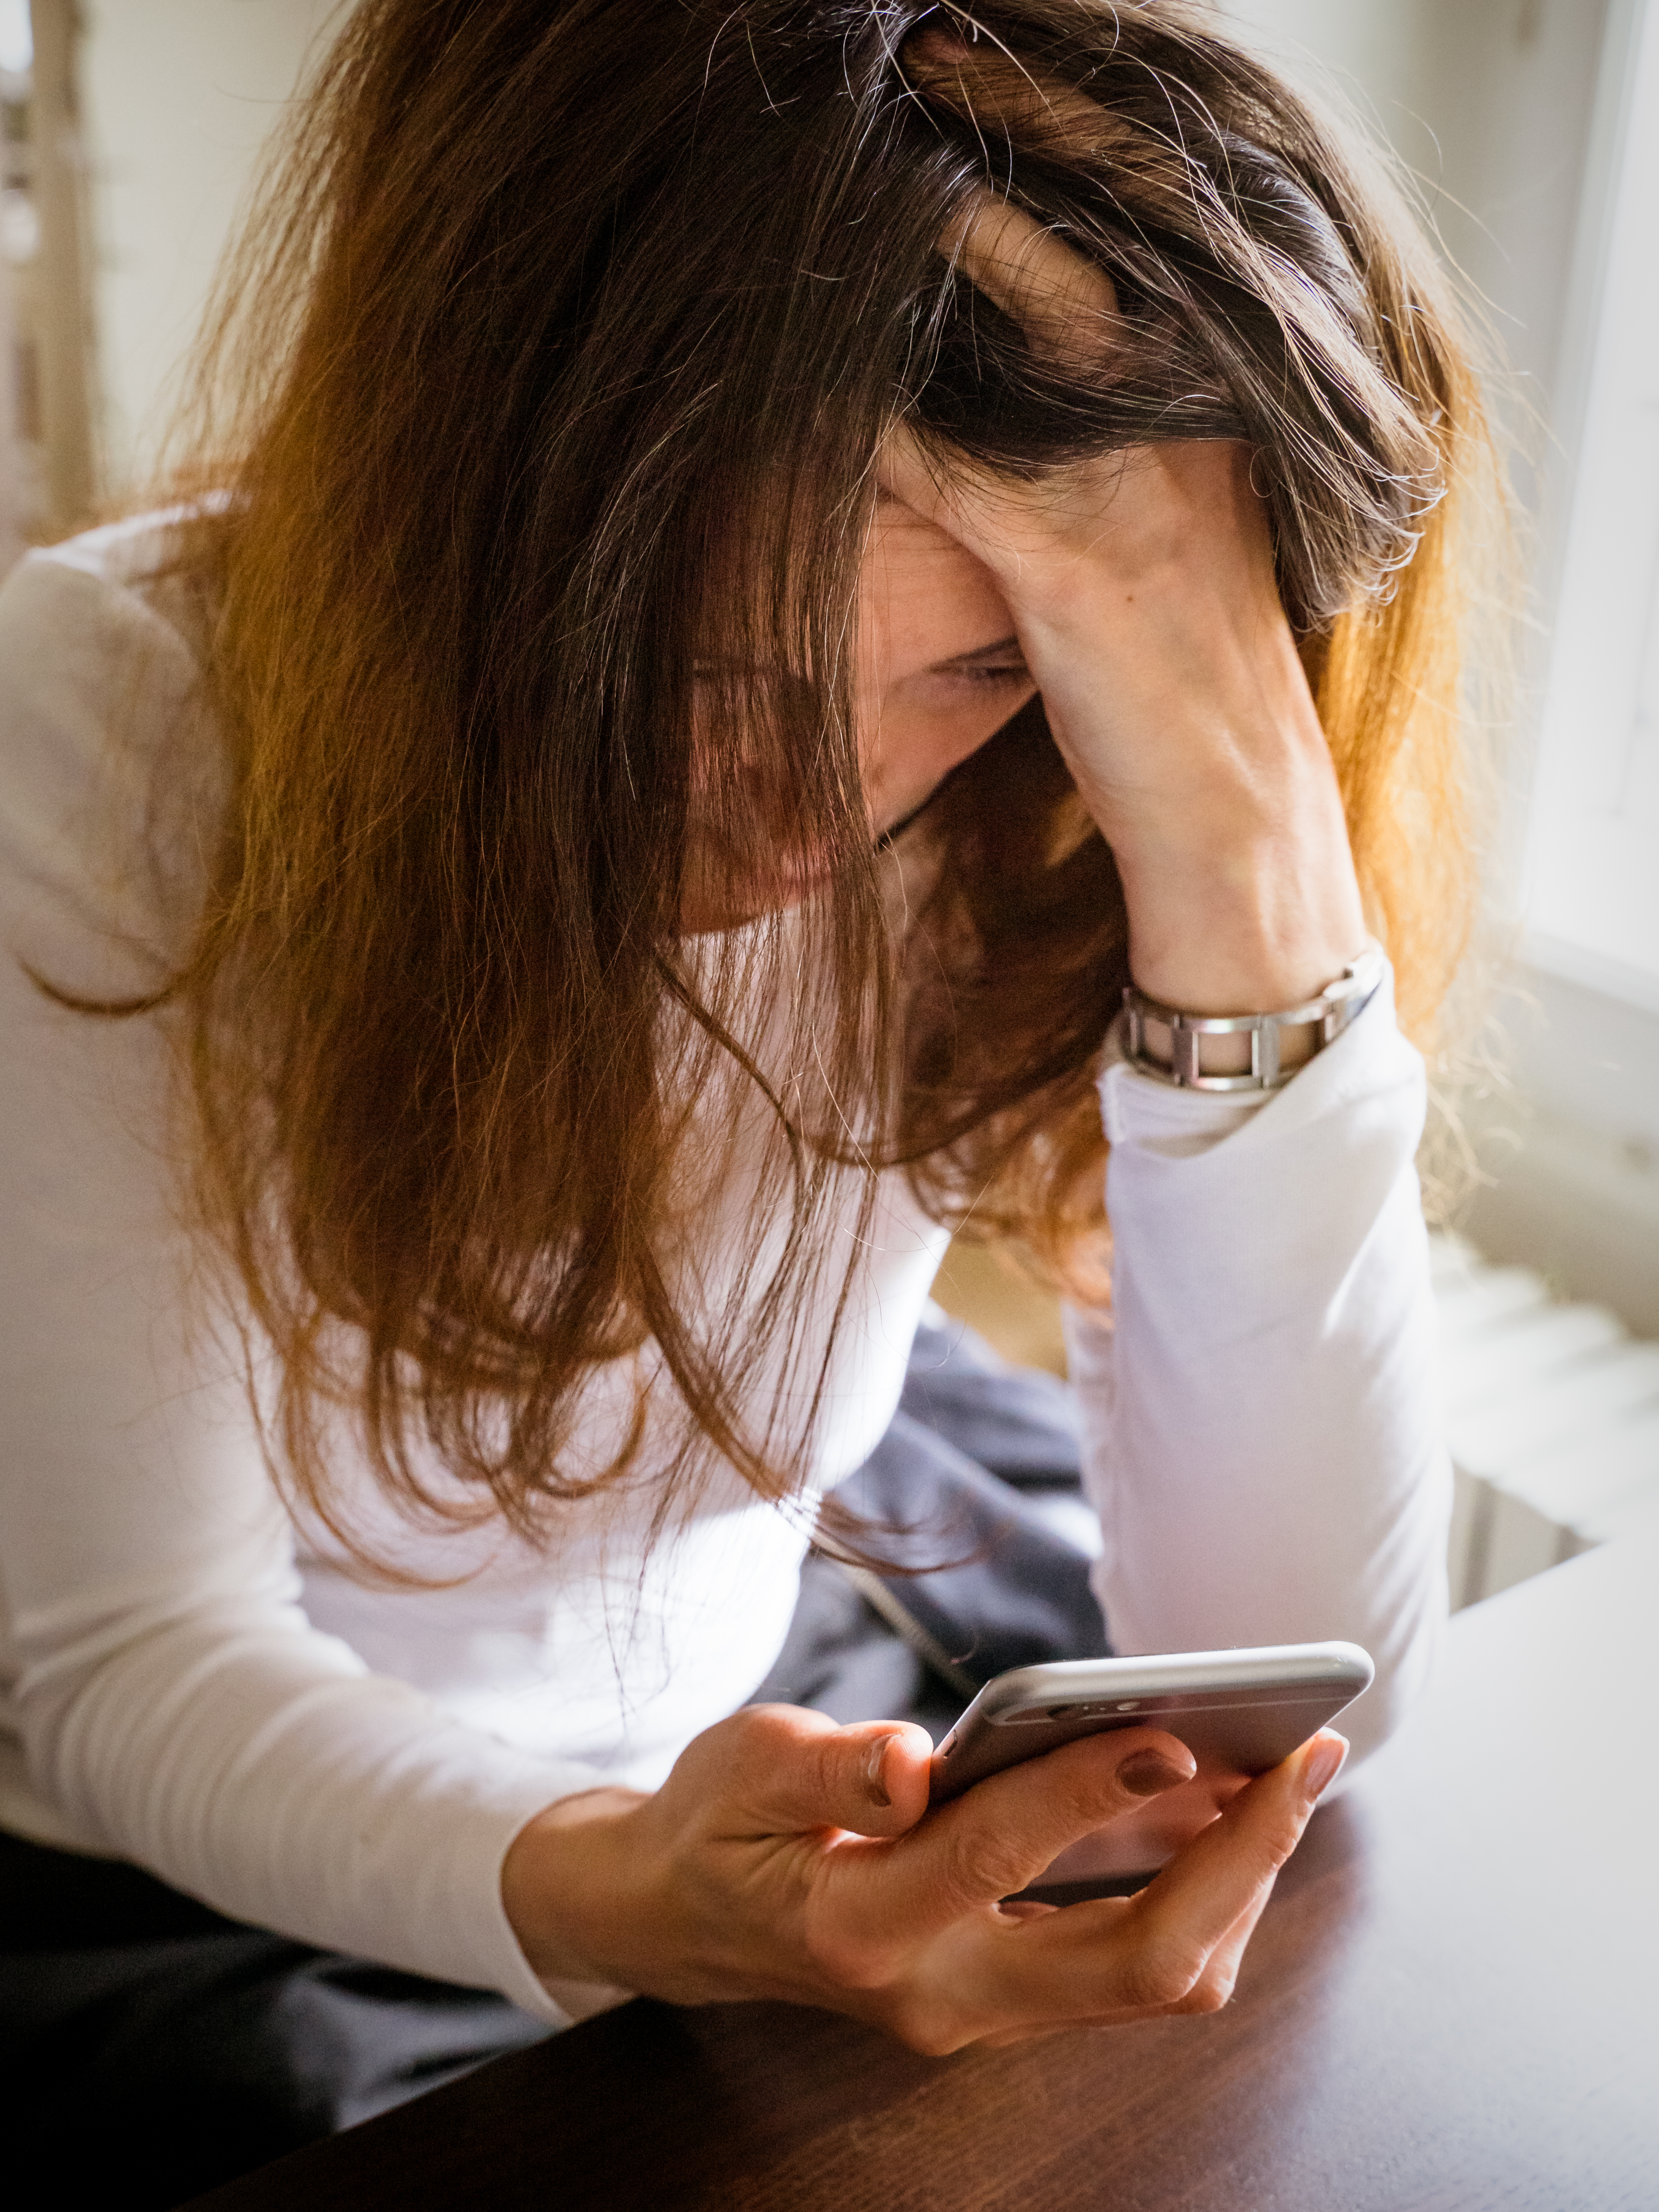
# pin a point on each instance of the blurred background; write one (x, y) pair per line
(132, 130)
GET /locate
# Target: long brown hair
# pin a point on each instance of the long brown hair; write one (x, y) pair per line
(562, 345)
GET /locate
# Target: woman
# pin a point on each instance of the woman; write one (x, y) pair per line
(747, 571)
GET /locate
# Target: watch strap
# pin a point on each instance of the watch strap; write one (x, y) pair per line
(1191, 1063)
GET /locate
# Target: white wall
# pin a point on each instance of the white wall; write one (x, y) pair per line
(1573, 1149)
(1366, 48)
(178, 96)
(1487, 102)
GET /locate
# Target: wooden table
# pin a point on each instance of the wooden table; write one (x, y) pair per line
(1453, 2001)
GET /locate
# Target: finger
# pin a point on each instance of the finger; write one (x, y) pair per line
(996, 2001)
(1175, 1946)
(907, 471)
(988, 87)
(787, 1772)
(1215, 1983)
(1215, 1986)
(1001, 1834)
(1065, 303)
(1067, 306)
(975, 505)
(1222, 1879)
(1209, 1993)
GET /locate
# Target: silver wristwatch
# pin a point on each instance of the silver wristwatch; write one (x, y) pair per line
(1184, 1050)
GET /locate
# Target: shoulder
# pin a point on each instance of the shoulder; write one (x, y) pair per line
(89, 601)
(112, 773)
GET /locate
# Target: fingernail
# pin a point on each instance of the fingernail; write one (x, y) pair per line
(872, 1766)
(1323, 1765)
(1144, 1773)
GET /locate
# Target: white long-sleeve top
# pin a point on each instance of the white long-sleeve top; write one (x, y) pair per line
(191, 1679)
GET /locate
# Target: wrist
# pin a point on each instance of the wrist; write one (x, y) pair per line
(1235, 862)
(563, 1882)
(1216, 961)
(1244, 920)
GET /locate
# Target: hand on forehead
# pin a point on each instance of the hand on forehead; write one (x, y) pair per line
(925, 591)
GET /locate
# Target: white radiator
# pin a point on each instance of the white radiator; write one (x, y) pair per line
(1553, 1418)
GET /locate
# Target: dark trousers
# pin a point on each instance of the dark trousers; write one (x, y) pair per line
(151, 2048)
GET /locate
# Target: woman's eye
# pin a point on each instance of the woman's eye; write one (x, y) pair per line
(1012, 671)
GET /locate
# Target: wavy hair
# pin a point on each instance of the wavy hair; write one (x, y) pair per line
(563, 341)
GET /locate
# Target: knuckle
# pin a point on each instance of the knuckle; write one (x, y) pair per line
(981, 1865)
(763, 1727)
(845, 1959)
(931, 2030)
(817, 1767)
(1286, 1835)
(772, 1751)
(1161, 1974)
(1273, 1845)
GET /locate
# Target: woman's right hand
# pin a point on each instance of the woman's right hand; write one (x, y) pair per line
(786, 1857)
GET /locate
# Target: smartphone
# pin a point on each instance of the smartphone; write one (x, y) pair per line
(1238, 1713)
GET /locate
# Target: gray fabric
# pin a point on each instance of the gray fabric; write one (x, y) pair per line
(957, 1485)
(152, 2049)
(1016, 1423)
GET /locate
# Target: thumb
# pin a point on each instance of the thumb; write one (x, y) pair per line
(789, 1771)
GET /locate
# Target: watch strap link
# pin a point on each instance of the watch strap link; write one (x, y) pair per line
(1190, 1066)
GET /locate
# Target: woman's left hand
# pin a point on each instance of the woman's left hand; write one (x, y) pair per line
(1141, 587)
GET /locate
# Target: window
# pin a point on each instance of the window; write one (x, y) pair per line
(1593, 848)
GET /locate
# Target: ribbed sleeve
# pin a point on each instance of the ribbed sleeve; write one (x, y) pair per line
(1264, 1443)
(174, 1704)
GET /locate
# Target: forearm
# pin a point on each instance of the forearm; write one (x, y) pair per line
(1173, 686)
(258, 1765)
(1263, 1438)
